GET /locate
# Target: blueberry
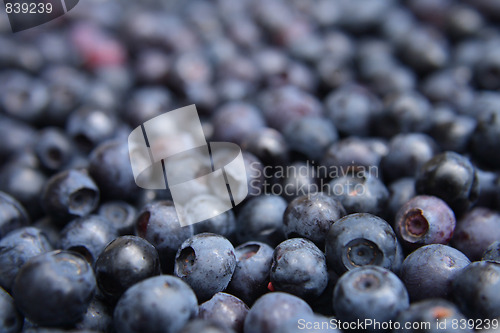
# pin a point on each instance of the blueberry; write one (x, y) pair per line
(272, 310)
(485, 137)
(362, 239)
(283, 105)
(16, 248)
(110, 168)
(299, 268)
(450, 86)
(158, 304)
(424, 49)
(88, 236)
(352, 108)
(88, 127)
(453, 132)
(296, 180)
(369, 292)
(225, 309)
(97, 317)
(158, 223)
(261, 219)
(251, 275)
(12, 214)
(310, 216)
(206, 262)
(475, 231)
(15, 136)
(25, 183)
(70, 193)
(310, 136)
(67, 87)
(10, 319)
(407, 152)
(23, 97)
(235, 121)
(124, 262)
(147, 103)
(428, 271)
(54, 149)
(351, 153)
(404, 113)
(359, 191)
(54, 288)
(451, 177)
(120, 214)
(492, 252)
(474, 290)
(432, 316)
(425, 220)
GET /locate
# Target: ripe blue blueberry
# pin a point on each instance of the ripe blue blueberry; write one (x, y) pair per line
(87, 235)
(299, 268)
(362, 239)
(54, 288)
(310, 216)
(225, 309)
(475, 231)
(428, 271)
(124, 262)
(272, 310)
(159, 304)
(158, 223)
(432, 316)
(251, 275)
(369, 292)
(425, 220)
(474, 290)
(206, 262)
(16, 249)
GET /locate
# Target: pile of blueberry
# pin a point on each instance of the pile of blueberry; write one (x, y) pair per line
(370, 132)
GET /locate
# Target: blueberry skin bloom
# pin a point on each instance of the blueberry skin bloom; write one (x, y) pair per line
(206, 262)
(251, 275)
(475, 290)
(476, 230)
(362, 239)
(11, 320)
(70, 193)
(428, 271)
(451, 177)
(225, 309)
(369, 292)
(12, 214)
(425, 220)
(359, 192)
(88, 235)
(54, 288)
(158, 223)
(160, 304)
(17, 248)
(299, 268)
(310, 216)
(438, 313)
(124, 262)
(261, 219)
(273, 310)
